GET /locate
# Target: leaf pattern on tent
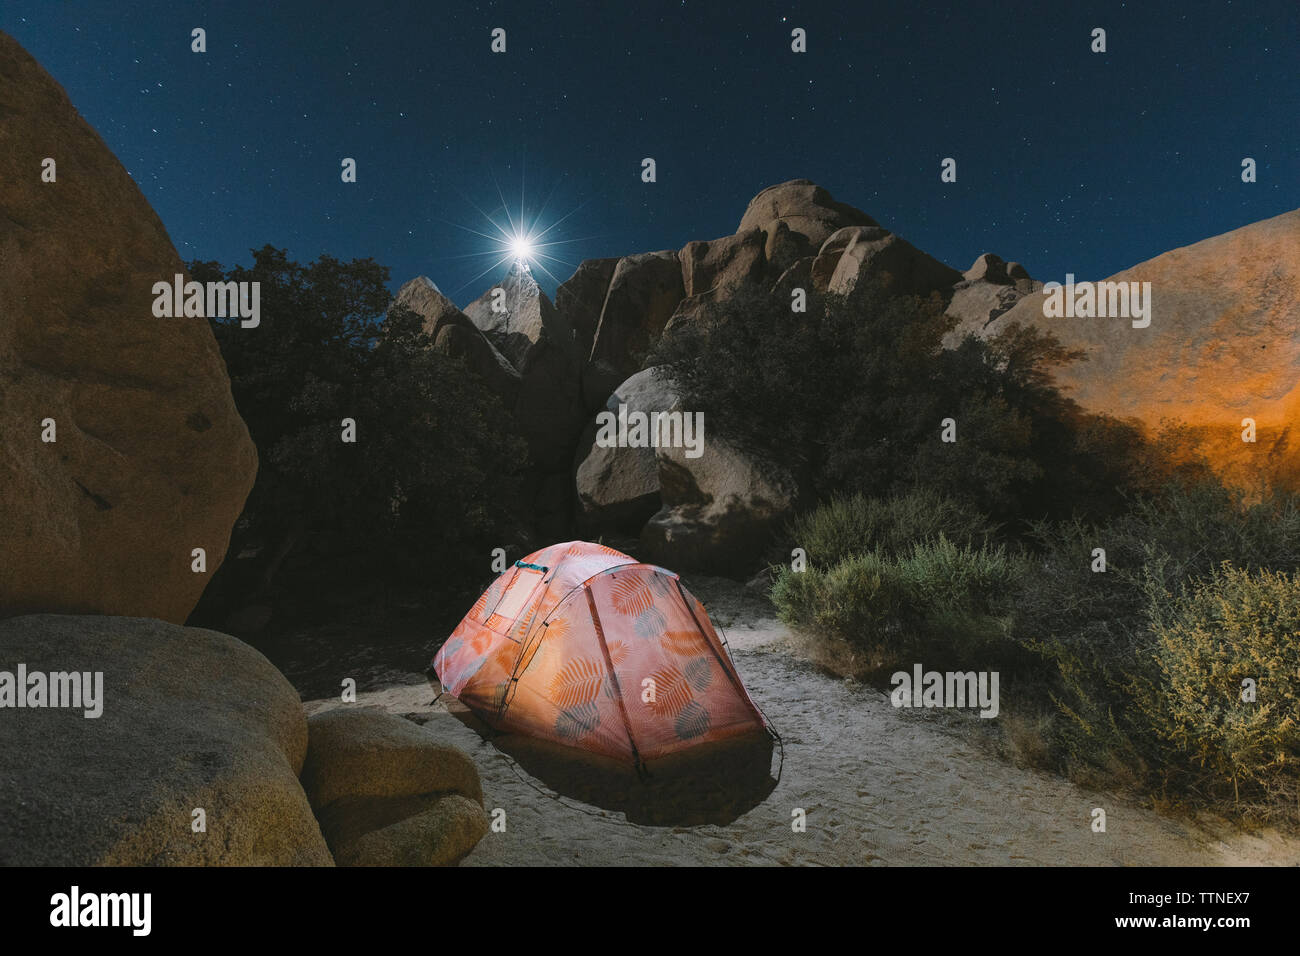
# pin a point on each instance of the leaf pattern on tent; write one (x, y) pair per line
(618, 652)
(682, 643)
(489, 597)
(586, 549)
(545, 640)
(557, 628)
(699, 673)
(505, 656)
(578, 682)
(692, 722)
(672, 692)
(527, 655)
(575, 722)
(649, 623)
(631, 596)
(470, 668)
(526, 617)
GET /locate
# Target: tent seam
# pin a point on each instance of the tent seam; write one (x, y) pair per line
(613, 676)
(726, 667)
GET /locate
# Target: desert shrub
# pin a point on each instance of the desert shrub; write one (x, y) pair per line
(1233, 625)
(1097, 632)
(853, 524)
(940, 575)
(857, 599)
(937, 597)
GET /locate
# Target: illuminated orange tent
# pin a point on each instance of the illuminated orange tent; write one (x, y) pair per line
(579, 644)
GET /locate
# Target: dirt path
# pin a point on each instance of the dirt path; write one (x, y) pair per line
(878, 785)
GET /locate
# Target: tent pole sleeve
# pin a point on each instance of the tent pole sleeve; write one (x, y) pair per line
(613, 676)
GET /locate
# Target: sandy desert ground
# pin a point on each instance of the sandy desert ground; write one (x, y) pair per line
(879, 786)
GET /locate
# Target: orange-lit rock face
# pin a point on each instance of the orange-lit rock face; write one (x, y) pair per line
(1223, 345)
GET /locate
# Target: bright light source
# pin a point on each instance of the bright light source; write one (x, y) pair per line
(518, 242)
(521, 248)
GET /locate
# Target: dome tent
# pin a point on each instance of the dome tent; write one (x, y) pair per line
(582, 645)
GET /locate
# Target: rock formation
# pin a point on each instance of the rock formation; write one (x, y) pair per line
(191, 720)
(851, 253)
(581, 298)
(388, 794)
(987, 289)
(643, 293)
(1223, 345)
(609, 317)
(619, 487)
(526, 351)
(719, 509)
(518, 318)
(455, 335)
(150, 459)
(1223, 308)
(796, 218)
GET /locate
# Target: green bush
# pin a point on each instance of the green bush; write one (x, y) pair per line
(940, 575)
(1097, 633)
(855, 524)
(1231, 626)
(940, 597)
(858, 599)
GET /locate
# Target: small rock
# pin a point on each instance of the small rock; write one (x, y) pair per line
(387, 793)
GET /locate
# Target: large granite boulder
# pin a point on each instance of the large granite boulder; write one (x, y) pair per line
(1223, 344)
(719, 266)
(388, 793)
(719, 511)
(426, 300)
(713, 273)
(643, 293)
(581, 298)
(618, 487)
(854, 252)
(519, 319)
(988, 289)
(151, 459)
(994, 270)
(455, 335)
(988, 267)
(190, 720)
(415, 831)
(797, 217)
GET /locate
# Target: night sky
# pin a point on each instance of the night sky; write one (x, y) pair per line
(1068, 161)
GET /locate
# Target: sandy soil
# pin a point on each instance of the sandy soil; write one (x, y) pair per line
(879, 786)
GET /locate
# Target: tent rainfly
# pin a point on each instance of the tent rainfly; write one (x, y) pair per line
(581, 645)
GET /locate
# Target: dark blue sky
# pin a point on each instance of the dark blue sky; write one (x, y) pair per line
(1068, 161)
